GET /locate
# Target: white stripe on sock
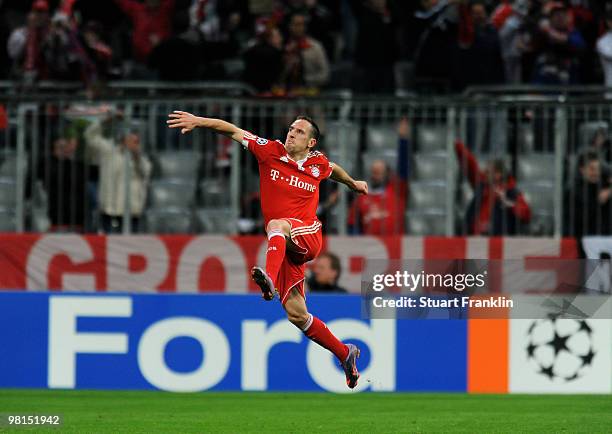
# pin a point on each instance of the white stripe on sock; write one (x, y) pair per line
(308, 323)
(275, 234)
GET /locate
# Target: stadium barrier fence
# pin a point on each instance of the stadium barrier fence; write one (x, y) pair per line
(205, 183)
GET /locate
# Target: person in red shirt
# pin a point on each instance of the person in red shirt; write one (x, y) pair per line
(382, 211)
(152, 21)
(289, 178)
(498, 207)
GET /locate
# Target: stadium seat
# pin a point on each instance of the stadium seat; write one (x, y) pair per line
(536, 167)
(216, 220)
(587, 130)
(431, 167)
(404, 75)
(8, 165)
(427, 196)
(169, 221)
(381, 136)
(539, 196)
(333, 134)
(332, 144)
(430, 223)
(214, 193)
(178, 165)
(525, 137)
(8, 221)
(40, 219)
(347, 163)
(542, 224)
(8, 195)
(171, 194)
(431, 138)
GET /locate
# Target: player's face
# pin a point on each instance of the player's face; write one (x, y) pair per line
(298, 137)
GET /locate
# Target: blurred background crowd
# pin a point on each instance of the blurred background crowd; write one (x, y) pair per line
(505, 164)
(285, 47)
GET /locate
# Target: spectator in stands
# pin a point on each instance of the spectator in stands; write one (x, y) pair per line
(64, 53)
(264, 59)
(602, 144)
(437, 38)
(375, 46)
(325, 274)
(514, 41)
(180, 57)
(64, 179)
(498, 207)
(111, 156)
(217, 23)
(478, 60)
(306, 64)
(559, 48)
(588, 201)
(604, 49)
(382, 211)
(25, 44)
(320, 25)
(152, 23)
(97, 50)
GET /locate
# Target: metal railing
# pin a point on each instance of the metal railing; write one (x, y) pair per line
(54, 176)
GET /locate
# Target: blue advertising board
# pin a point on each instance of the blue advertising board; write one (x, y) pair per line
(190, 343)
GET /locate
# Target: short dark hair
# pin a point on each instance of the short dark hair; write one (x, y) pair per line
(315, 133)
(499, 165)
(334, 262)
(587, 156)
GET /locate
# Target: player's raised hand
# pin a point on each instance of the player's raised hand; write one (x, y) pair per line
(360, 187)
(183, 120)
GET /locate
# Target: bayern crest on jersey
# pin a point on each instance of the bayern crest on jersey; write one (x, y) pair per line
(315, 171)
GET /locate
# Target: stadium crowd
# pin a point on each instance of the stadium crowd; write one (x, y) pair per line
(283, 47)
(300, 47)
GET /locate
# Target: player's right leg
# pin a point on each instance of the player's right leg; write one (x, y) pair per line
(317, 331)
(278, 230)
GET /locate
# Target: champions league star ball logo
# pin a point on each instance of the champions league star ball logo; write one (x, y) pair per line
(560, 349)
(315, 171)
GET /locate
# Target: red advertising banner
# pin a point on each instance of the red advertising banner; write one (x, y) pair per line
(195, 264)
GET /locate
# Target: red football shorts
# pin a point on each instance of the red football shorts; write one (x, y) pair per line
(305, 245)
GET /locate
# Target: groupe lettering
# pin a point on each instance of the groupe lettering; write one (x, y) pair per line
(294, 181)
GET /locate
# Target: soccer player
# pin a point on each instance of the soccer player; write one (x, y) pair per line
(289, 174)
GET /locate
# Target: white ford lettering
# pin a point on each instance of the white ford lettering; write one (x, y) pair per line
(257, 339)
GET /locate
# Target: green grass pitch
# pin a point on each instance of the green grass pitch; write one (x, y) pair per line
(152, 412)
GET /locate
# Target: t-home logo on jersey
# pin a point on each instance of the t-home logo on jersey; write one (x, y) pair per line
(293, 181)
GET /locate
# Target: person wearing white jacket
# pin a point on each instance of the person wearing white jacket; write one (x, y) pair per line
(604, 48)
(119, 160)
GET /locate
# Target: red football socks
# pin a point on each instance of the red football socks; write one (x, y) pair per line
(275, 254)
(317, 331)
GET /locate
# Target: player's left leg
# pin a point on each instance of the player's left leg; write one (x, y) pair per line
(317, 331)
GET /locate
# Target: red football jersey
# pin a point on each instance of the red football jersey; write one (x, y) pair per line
(289, 189)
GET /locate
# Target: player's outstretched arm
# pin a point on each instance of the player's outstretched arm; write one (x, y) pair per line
(339, 175)
(187, 122)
